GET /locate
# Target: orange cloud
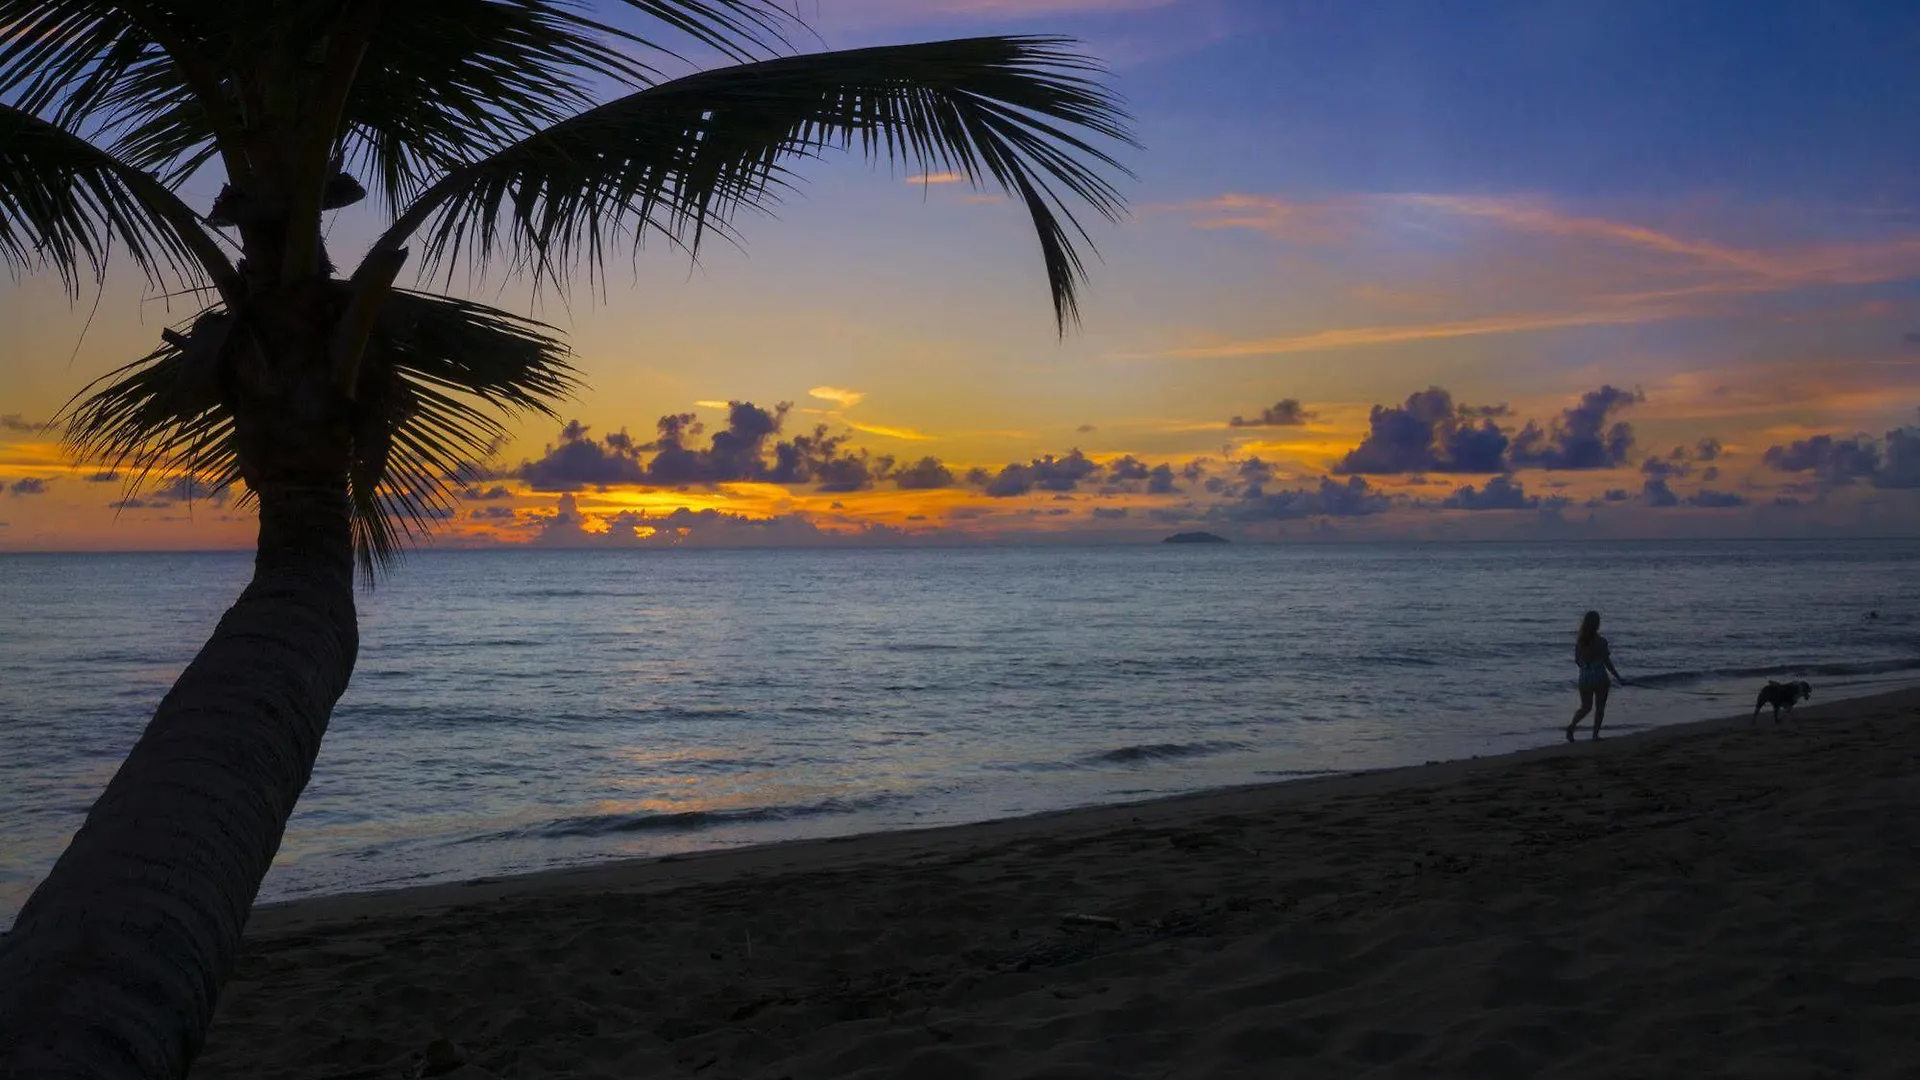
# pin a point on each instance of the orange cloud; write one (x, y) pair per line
(1313, 221)
(1354, 337)
(1837, 391)
(36, 455)
(938, 178)
(1539, 219)
(1597, 272)
(889, 432)
(1337, 218)
(846, 399)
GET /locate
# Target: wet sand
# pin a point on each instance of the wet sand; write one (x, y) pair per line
(1719, 899)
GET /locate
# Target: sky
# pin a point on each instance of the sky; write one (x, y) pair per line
(1391, 271)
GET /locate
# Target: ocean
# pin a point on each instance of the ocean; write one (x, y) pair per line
(520, 710)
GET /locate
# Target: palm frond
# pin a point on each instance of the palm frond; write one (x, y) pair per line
(71, 59)
(681, 158)
(441, 375)
(439, 79)
(63, 49)
(153, 416)
(457, 77)
(64, 202)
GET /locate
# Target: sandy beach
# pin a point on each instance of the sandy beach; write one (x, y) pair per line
(1721, 899)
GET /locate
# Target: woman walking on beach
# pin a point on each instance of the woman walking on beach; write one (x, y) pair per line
(1595, 662)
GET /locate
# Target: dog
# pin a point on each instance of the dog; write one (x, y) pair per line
(1781, 696)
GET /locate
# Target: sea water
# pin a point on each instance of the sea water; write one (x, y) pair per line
(517, 710)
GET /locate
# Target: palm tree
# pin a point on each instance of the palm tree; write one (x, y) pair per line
(347, 407)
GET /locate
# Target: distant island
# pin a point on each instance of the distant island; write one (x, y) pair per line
(1195, 538)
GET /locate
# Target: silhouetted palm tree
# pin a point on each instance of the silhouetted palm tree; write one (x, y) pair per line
(348, 407)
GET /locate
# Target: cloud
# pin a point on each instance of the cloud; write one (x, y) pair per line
(104, 476)
(1722, 267)
(938, 178)
(1835, 461)
(186, 489)
(1360, 336)
(1500, 493)
(570, 527)
(736, 452)
(492, 494)
(1353, 498)
(1537, 266)
(494, 513)
(1660, 494)
(18, 423)
(746, 450)
(1429, 434)
(846, 399)
(908, 434)
(1319, 221)
(1665, 467)
(1128, 469)
(1539, 219)
(822, 459)
(1581, 437)
(923, 475)
(1086, 429)
(180, 489)
(1707, 497)
(1160, 480)
(1288, 412)
(579, 461)
(1109, 513)
(1708, 449)
(1044, 473)
(29, 485)
(1900, 465)
(1255, 471)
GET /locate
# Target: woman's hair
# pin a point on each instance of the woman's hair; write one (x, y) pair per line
(1589, 626)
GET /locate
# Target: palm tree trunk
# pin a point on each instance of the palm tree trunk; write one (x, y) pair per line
(114, 964)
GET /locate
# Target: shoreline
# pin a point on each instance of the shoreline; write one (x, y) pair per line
(1705, 899)
(670, 871)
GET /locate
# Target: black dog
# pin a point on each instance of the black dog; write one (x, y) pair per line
(1781, 696)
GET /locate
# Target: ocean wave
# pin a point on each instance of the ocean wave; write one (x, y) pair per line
(593, 825)
(1830, 670)
(1133, 755)
(1125, 755)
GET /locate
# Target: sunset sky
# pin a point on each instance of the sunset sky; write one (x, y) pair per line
(1393, 270)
